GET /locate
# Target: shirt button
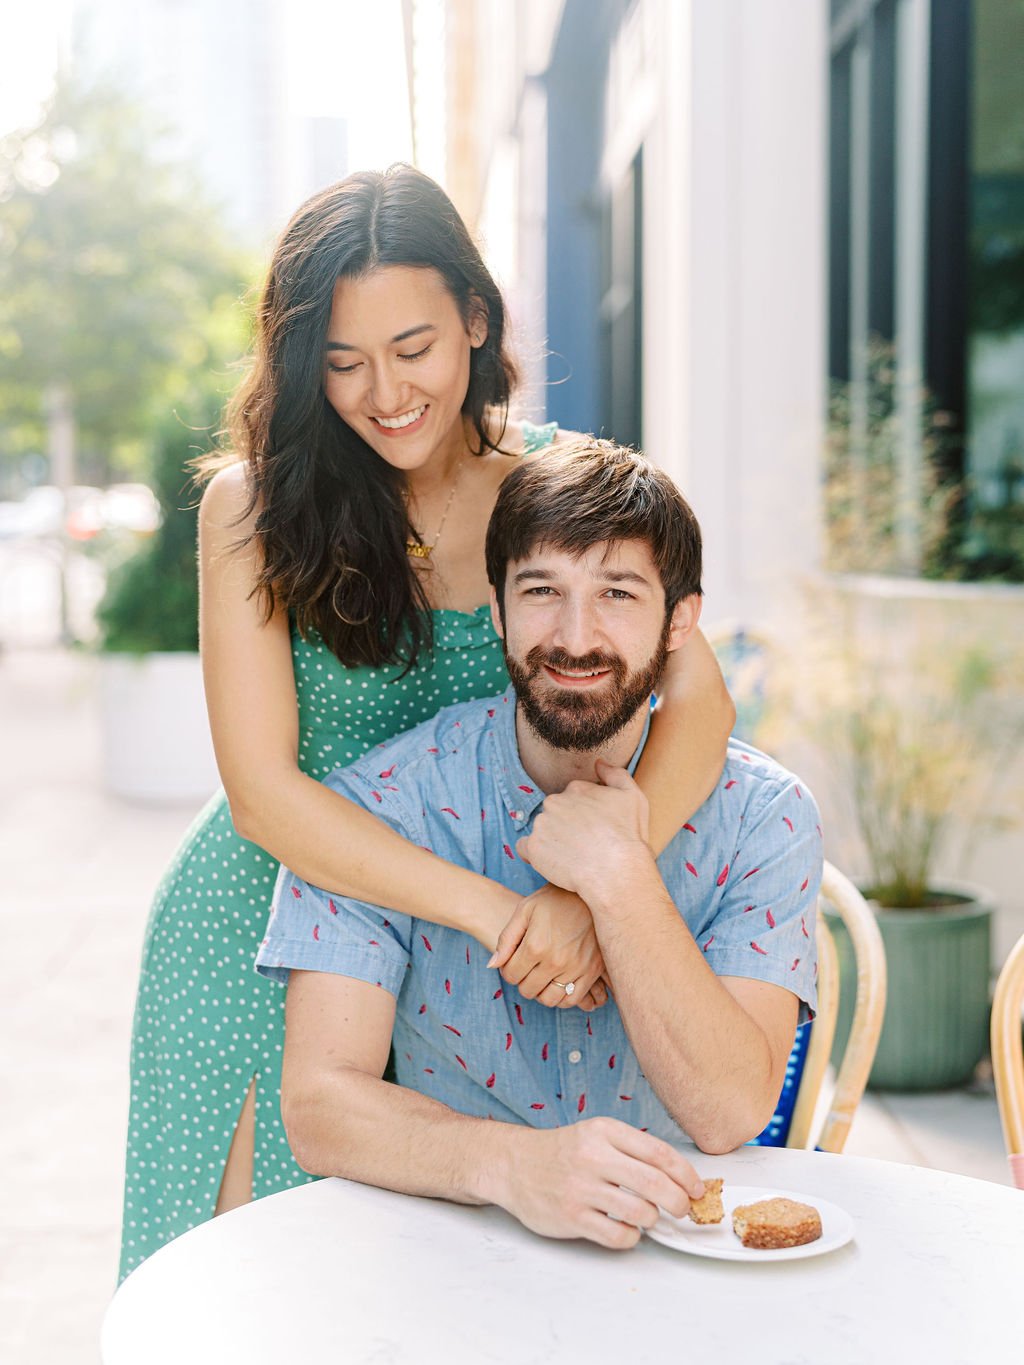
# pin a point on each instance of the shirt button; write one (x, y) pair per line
(575, 1056)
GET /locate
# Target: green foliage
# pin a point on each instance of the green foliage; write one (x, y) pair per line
(920, 715)
(867, 500)
(116, 284)
(152, 599)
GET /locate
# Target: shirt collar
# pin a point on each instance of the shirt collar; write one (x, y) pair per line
(522, 796)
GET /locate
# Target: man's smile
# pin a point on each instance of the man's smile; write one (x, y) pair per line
(566, 677)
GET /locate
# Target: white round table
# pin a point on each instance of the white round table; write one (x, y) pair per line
(338, 1272)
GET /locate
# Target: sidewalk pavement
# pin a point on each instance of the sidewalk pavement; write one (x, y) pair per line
(79, 870)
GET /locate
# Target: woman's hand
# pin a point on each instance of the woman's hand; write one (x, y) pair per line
(550, 938)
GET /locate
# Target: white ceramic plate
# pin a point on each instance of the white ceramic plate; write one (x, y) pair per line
(719, 1241)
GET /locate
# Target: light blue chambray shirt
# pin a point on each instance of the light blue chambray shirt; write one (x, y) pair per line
(744, 874)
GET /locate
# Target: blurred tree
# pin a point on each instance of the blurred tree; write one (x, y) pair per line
(152, 598)
(116, 286)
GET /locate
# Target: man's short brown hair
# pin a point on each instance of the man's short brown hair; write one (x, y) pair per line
(585, 492)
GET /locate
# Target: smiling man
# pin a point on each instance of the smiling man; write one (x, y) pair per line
(564, 1118)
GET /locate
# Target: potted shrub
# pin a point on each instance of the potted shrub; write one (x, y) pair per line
(156, 741)
(920, 719)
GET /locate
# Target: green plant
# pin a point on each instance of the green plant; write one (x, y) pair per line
(921, 722)
(152, 600)
(868, 498)
(902, 513)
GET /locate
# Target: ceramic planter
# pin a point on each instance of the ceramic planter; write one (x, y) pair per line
(936, 1016)
(155, 734)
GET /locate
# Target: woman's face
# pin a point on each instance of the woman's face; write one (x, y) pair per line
(396, 362)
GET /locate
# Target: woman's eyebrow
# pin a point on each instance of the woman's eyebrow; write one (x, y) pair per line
(402, 336)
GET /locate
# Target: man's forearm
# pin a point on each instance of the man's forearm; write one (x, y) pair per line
(354, 1125)
(706, 1058)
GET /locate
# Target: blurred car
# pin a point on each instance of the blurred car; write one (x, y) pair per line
(83, 513)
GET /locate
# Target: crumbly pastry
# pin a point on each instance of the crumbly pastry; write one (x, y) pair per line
(708, 1209)
(774, 1223)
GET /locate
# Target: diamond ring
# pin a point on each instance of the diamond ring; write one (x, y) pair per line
(568, 986)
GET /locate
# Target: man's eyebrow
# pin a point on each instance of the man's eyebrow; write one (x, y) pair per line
(606, 575)
(402, 336)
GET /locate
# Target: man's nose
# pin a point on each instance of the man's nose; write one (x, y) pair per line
(576, 629)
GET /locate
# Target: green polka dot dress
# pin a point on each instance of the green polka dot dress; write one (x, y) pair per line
(205, 1023)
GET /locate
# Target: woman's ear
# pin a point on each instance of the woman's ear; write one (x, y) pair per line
(685, 620)
(477, 326)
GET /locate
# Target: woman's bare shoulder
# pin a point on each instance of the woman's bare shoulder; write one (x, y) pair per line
(227, 498)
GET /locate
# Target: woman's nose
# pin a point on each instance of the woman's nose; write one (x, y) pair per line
(387, 391)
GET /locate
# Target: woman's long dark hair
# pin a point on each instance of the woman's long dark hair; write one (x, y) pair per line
(332, 525)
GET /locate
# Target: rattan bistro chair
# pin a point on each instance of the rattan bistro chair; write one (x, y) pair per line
(793, 1123)
(1008, 1058)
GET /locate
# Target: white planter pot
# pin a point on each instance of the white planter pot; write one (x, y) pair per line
(156, 737)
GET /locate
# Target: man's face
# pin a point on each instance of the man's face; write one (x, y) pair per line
(586, 639)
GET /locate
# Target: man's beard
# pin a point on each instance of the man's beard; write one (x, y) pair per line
(586, 719)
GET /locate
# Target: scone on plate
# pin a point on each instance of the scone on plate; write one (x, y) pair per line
(774, 1223)
(708, 1209)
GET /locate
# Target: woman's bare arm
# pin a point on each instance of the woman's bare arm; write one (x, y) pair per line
(685, 752)
(253, 709)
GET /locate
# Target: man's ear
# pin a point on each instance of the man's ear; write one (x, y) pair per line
(685, 620)
(496, 615)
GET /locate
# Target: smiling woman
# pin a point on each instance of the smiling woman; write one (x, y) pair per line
(334, 615)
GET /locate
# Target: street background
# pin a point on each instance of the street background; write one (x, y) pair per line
(779, 247)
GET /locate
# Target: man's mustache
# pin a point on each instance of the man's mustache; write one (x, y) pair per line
(561, 660)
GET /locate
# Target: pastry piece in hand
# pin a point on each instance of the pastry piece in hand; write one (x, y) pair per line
(708, 1209)
(774, 1223)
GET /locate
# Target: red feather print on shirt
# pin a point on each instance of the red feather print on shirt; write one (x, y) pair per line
(691, 869)
(723, 876)
(388, 772)
(452, 1029)
(690, 828)
(519, 1013)
(758, 949)
(508, 1041)
(490, 1081)
(788, 823)
(334, 909)
(316, 932)
(426, 943)
(296, 893)
(447, 810)
(770, 919)
(508, 852)
(581, 1104)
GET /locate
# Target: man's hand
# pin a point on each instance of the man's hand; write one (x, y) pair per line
(589, 832)
(577, 1181)
(550, 938)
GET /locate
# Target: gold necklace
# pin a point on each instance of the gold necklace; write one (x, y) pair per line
(415, 548)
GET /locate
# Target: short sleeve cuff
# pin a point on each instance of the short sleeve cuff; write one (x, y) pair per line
(373, 965)
(728, 961)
